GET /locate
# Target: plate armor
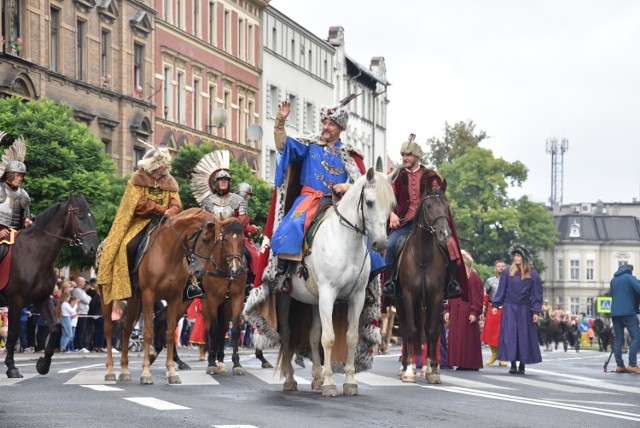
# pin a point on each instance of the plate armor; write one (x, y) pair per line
(225, 205)
(14, 206)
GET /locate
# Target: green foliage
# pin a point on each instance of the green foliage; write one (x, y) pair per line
(457, 140)
(487, 220)
(63, 157)
(190, 155)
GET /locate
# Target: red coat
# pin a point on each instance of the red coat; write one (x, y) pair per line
(465, 349)
(199, 331)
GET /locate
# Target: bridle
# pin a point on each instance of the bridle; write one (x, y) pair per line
(347, 222)
(71, 219)
(228, 259)
(190, 253)
(429, 227)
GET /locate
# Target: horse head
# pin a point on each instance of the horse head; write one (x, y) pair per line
(375, 201)
(433, 215)
(232, 237)
(79, 225)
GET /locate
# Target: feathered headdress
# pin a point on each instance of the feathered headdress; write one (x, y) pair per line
(205, 173)
(13, 157)
(522, 250)
(337, 113)
(411, 147)
(154, 157)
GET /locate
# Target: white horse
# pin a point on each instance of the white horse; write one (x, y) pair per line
(338, 267)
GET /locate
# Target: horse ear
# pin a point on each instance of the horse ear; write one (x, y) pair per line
(443, 188)
(370, 174)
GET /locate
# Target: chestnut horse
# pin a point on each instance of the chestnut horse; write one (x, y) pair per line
(31, 278)
(180, 251)
(422, 269)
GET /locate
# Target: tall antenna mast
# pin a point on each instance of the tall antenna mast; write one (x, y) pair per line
(557, 149)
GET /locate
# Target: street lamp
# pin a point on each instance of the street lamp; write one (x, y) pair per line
(218, 118)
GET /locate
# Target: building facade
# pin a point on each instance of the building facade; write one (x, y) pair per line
(297, 68)
(208, 72)
(90, 54)
(594, 240)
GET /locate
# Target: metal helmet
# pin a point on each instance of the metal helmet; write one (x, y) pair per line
(221, 174)
(244, 189)
(16, 166)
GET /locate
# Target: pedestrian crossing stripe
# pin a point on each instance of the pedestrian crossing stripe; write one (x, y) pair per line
(603, 305)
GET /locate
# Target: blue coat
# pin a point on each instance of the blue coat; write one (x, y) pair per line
(520, 299)
(625, 289)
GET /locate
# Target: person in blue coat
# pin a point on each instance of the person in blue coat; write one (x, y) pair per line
(625, 288)
(520, 295)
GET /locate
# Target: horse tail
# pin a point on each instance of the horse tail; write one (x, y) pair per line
(299, 322)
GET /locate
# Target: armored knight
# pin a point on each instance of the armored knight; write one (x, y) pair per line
(211, 184)
(14, 200)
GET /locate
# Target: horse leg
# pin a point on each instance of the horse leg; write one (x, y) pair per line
(260, 355)
(326, 303)
(283, 303)
(110, 375)
(133, 312)
(147, 336)
(172, 376)
(350, 386)
(432, 330)
(314, 342)
(237, 302)
(12, 337)
(409, 341)
(46, 311)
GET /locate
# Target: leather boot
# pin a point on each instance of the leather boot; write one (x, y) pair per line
(493, 357)
(389, 289)
(452, 288)
(513, 369)
(280, 278)
(521, 368)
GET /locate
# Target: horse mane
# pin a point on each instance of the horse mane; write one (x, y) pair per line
(47, 215)
(384, 194)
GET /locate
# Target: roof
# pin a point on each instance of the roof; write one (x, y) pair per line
(367, 76)
(584, 227)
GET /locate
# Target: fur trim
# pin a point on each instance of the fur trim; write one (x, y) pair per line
(143, 179)
(269, 336)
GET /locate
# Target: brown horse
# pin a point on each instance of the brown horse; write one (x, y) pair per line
(422, 268)
(181, 249)
(31, 278)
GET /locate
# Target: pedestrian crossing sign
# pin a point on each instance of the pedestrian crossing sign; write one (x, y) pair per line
(603, 305)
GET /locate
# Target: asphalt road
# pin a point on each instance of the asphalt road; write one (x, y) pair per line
(567, 389)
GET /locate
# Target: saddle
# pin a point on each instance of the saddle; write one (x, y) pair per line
(319, 217)
(6, 249)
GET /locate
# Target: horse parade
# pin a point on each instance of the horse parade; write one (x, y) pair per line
(165, 262)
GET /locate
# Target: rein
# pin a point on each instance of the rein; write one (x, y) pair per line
(343, 219)
(189, 254)
(71, 218)
(221, 273)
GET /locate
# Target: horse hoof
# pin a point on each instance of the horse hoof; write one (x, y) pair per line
(125, 377)
(329, 391)
(43, 366)
(146, 380)
(110, 377)
(424, 372)
(173, 380)
(350, 389)
(267, 365)
(316, 385)
(238, 371)
(211, 370)
(13, 373)
(184, 366)
(434, 379)
(222, 368)
(290, 386)
(409, 378)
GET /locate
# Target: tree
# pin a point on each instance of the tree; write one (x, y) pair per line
(190, 155)
(487, 220)
(63, 157)
(457, 140)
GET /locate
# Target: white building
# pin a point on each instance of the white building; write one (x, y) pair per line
(298, 67)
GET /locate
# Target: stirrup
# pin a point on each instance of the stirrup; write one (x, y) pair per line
(281, 285)
(389, 289)
(193, 291)
(452, 290)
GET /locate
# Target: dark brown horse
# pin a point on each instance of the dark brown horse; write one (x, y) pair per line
(422, 268)
(180, 251)
(31, 278)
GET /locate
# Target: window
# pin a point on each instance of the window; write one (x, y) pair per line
(212, 104)
(80, 32)
(167, 92)
(166, 12)
(181, 101)
(196, 18)
(293, 50)
(560, 270)
(309, 61)
(242, 121)
(273, 98)
(250, 113)
(590, 306)
(54, 42)
(226, 31)
(274, 39)
(574, 270)
(575, 306)
(590, 268)
(325, 70)
(180, 14)
(107, 146)
(138, 72)
(293, 116)
(271, 168)
(302, 56)
(212, 22)
(196, 105)
(227, 107)
(308, 118)
(105, 40)
(138, 153)
(241, 52)
(251, 47)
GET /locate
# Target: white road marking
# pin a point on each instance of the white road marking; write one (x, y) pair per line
(156, 404)
(197, 377)
(595, 383)
(102, 388)
(89, 378)
(80, 368)
(377, 380)
(7, 382)
(524, 381)
(271, 377)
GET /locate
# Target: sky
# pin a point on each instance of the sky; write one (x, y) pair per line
(523, 71)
